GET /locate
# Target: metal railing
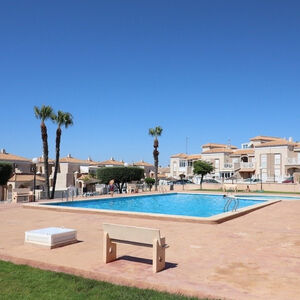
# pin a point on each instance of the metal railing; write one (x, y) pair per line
(228, 166)
(247, 165)
(293, 161)
(230, 199)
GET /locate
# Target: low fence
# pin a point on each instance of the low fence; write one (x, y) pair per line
(271, 187)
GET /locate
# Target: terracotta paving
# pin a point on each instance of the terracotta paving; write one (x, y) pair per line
(256, 256)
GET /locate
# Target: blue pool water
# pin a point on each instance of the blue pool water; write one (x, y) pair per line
(195, 205)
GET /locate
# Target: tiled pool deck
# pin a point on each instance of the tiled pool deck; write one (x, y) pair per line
(256, 256)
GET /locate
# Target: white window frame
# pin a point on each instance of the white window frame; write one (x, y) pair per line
(182, 163)
(263, 161)
(277, 159)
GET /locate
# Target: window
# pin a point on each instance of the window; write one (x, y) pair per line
(263, 160)
(264, 175)
(175, 166)
(277, 159)
(217, 163)
(190, 163)
(182, 163)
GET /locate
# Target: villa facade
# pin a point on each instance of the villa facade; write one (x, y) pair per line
(270, 159)
(149, 169)
(20, 164)
(183, 164)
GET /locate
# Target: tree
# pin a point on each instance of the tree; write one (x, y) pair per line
(155, 132)
(202, 168)
(120, 175)
(5, 173)
(182, 176)
(150, 181)
(61, 119)
(43, 114)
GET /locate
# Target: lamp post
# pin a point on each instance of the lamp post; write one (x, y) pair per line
(261, 179)
(34, 161)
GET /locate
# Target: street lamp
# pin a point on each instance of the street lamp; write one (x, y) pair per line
(261, 179)
(34, 161)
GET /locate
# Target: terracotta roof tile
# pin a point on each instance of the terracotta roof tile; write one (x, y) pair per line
(186, 156)
(265, 138)
(243, 152)
(179, 155)
(112, 162)
(218, 150)
(164, 170)
(12, 157)
(194, 156)
(215, 145)
(25, 178)
(142, 164)
(278, 142)
(41, 160)
(69, 159)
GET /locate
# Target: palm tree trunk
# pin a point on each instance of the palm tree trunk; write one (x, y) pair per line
(57, 148)
(45, 151)
(155, 156)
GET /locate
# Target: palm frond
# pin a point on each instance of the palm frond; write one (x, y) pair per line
(44, 112)
(36, 112)
(68, 120)
(156, 131)
(151, 131)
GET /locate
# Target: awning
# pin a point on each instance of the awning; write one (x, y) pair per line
(248, 170)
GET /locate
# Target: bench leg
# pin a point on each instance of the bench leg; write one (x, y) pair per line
(109, 249)
(159, 256)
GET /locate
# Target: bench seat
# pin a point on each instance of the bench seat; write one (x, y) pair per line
(138, 236)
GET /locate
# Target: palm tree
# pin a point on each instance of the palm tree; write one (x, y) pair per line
(155, 132)
(61, 119)
(44, 113)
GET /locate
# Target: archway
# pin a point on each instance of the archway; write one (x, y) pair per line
(244, 158)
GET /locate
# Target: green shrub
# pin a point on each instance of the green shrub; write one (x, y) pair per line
(150, 181)
(5, 172)
(120, 175)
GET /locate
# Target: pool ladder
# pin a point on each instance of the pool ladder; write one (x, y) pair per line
(229, 201)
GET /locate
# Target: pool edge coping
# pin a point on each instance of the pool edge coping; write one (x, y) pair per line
(216, 219)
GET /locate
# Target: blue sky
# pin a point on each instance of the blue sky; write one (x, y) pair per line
(209, 70)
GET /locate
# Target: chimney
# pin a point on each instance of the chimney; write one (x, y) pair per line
(290, 139)
(69, 155)
(3, 151)
(89, 158)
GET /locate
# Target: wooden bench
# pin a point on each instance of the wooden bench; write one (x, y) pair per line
(139, 236)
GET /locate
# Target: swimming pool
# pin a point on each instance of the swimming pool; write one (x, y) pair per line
(177, 204)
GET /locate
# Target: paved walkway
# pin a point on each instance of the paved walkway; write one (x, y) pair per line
(256, 256)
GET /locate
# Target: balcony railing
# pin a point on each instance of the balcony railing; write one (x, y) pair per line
(293, 161)
(247, 165)
(228, 166)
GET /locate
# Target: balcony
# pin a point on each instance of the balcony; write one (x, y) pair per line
(247, 165)
(228, 166)
(293, 161)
